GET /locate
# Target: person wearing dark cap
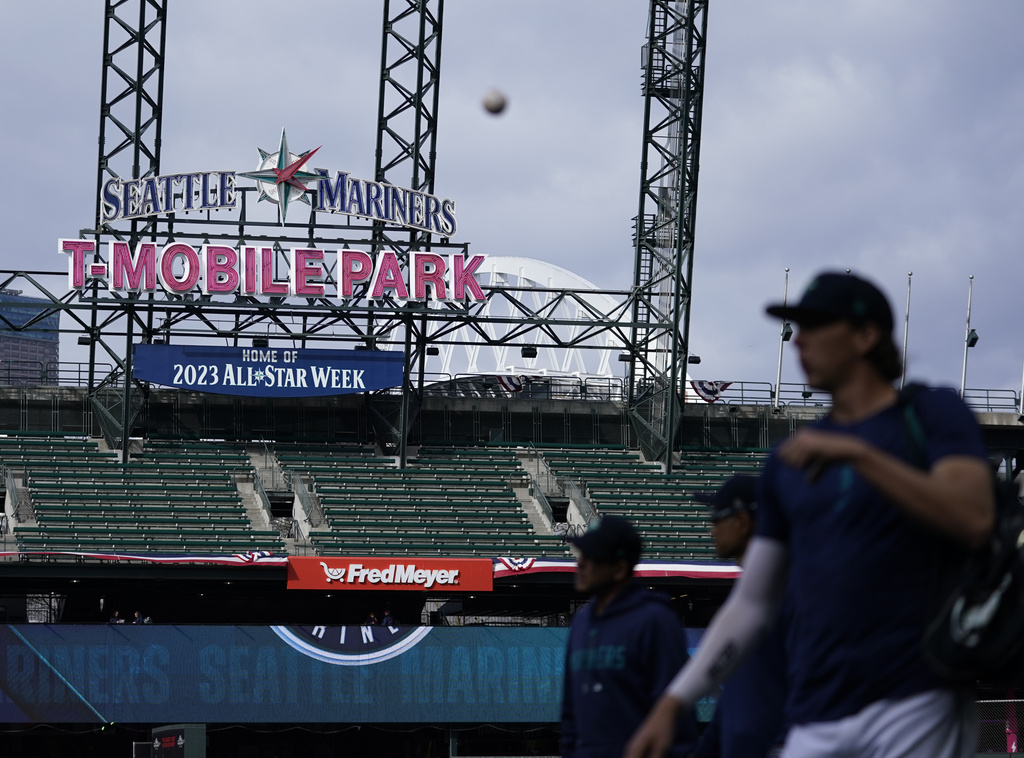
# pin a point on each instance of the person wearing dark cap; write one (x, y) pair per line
(860, 527)
(624, 647)
(748, 720)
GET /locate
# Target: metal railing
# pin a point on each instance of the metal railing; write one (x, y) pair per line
(536, 387)
(270, 464)
(992, 401)
(310, 503)
(261, 495)
(538, 493)
(17, 496)
(29, 373)
(577, 498)
(548, 481)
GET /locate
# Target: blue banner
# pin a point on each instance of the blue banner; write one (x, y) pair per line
(267, 371)
(355, 674)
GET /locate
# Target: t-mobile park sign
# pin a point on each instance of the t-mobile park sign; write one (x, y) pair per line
(282, 178)
(178, 268)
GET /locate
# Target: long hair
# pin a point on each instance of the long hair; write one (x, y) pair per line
(886, 358)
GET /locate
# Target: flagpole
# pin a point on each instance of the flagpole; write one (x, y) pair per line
(782, 341)
(967, 337)
(906, 331)
(1020, 409)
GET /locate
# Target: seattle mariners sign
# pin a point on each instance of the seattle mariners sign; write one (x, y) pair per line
(283, 178)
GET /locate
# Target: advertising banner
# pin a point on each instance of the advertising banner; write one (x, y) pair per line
(268, 371)
(451, 574)
(314, 674)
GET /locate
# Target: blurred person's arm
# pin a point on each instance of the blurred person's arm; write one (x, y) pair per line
(742, 619)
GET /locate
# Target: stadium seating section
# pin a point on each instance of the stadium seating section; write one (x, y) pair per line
(673, 525)
(168, 499)
(448, 501)
(176, 496)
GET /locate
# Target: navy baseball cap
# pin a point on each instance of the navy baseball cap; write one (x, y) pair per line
(833, 296)
(735, 496)
(609, 538)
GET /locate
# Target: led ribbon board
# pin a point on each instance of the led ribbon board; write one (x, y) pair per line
(267, 372)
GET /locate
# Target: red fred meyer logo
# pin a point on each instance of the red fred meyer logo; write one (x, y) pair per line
(453, 574)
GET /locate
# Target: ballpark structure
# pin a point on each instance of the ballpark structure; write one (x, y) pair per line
(289, 421)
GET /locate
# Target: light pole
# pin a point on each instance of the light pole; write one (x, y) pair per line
(970, 337)
(785, 334)
(906, 331)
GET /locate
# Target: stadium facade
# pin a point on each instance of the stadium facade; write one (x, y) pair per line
(200, 519)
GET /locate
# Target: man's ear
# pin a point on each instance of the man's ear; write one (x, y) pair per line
(622, 570)
(749, 525)
(867, 335)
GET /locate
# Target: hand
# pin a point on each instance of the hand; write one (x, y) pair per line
(654, 737)
(814, 449)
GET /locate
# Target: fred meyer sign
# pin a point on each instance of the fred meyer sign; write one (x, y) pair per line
(436, 574)
(267, 372)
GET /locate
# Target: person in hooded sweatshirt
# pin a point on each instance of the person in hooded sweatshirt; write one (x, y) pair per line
(623, 647)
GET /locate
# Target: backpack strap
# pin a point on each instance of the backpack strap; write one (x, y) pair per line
(918, 449)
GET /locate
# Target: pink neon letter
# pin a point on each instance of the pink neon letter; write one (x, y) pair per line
(356, 266)
(302, 270)
(249, 280)
(220, 259)
(166, 268)
(138, 269)
(428, 268)
(267, 284)
(76, 261)
(388, 276)
(462, 277)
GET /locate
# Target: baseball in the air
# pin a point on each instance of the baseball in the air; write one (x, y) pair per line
(494, 101)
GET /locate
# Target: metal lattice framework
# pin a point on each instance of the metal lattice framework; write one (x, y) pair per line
(649, 322)
(673, 87)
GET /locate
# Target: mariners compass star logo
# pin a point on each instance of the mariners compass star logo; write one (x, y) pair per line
(280, 176)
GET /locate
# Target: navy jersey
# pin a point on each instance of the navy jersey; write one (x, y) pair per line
(749, 718)
(617, 665)
(863, 576)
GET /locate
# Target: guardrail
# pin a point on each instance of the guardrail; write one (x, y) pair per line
(261, 495)
(310, 503)
(577, 498)
(993, 401)
(17, 496)
(29, 373)
(538, 493)
(803, 395)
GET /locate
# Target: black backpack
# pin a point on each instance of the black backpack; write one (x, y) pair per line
(978, 633)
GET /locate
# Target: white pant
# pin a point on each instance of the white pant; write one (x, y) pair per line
(933, 724)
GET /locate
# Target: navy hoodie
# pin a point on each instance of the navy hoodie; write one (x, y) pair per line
(616, 666)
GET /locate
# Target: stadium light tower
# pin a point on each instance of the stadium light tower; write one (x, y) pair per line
(673, 89)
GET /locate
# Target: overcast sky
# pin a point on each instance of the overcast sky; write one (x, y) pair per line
(884, 136)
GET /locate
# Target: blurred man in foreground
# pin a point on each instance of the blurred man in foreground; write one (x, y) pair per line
(860, 534)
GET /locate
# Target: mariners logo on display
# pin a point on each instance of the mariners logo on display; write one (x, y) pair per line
(283, 177)
(352, 645)
(280, 176)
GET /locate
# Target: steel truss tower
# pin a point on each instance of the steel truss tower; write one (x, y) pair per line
(649, 322)
(406, 155)
(131, 118)
(673, 87)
